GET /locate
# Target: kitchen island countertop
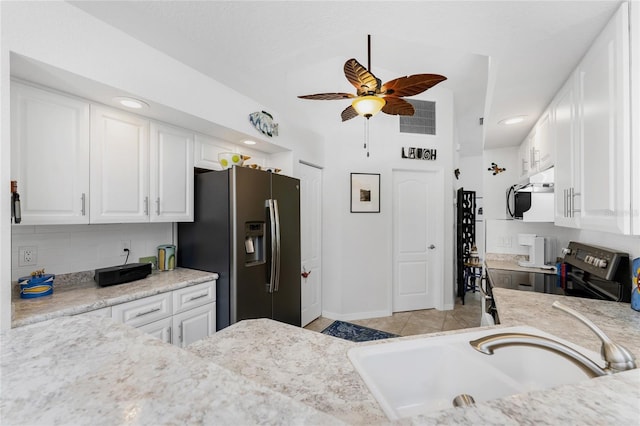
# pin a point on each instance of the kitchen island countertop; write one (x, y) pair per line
(92, 370)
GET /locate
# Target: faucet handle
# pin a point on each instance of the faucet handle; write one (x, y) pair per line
(617, 357)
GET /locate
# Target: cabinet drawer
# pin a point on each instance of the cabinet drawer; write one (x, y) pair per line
(191, 297)
(143, 311)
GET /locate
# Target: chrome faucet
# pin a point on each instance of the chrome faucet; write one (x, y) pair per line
(617, 358)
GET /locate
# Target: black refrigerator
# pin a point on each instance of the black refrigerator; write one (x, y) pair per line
(247, 229)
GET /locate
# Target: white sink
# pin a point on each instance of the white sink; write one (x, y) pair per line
(412, 377)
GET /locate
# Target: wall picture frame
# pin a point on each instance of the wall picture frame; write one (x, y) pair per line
(365, 193)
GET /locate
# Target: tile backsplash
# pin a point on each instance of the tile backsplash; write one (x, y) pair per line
(61, 249)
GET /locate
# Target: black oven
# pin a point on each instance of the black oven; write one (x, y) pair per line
(586, 271)
(596, 272)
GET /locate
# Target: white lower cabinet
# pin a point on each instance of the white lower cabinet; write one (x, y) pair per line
(180, 317)
(160, 329)
(194, 324)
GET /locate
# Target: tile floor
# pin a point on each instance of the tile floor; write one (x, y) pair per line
(420, 322)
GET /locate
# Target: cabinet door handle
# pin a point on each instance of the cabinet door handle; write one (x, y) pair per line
(170, 336)
(573, 196)
(83, 203)
(571, 202)
(200, 296)
(180, 334)
(158, 206)
(146, 206)
(140, 314)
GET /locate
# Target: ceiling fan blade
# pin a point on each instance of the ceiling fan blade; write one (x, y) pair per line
(411, 85)
(348, 113)
(328, 96)
(360, 77)
(397, 106)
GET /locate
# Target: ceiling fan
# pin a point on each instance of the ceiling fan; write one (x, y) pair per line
(372, 96)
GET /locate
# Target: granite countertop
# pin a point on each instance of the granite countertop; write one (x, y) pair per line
(72, 298)
(313, 368)
(94, 371)
(91, 370)
(307, 366)
(617, 320)
(511, 264)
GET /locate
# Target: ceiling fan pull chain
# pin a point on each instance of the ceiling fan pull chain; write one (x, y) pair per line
(366, 136)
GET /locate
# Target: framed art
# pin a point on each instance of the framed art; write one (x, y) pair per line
(365, 193)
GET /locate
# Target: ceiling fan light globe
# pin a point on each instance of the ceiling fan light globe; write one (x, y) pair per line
(368, 106)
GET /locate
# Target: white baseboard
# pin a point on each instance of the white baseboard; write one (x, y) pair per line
(447, 307)
(355, 316)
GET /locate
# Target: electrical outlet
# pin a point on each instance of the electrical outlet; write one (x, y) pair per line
(124, 246)
(27, 256)
(507, 241)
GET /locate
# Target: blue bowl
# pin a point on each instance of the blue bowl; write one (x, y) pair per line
(31, 287)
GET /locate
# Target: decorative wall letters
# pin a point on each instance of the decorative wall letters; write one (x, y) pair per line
(418, 153)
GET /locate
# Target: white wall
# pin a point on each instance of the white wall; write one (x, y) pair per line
(63, 36)
(75, 248)
(357, 266)
(472, 171)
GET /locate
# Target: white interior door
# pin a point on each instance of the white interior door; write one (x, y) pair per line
(417, 196)
(311, 241)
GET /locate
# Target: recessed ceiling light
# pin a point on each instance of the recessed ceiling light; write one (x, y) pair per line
(131, 102)
(249, 142)
(512, 120)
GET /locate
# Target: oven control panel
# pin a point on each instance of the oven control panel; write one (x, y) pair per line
(599, 261)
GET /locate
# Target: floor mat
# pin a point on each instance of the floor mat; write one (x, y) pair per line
(355, 333)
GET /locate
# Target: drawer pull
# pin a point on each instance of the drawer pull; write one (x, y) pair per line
(200, 296)
(139, 314)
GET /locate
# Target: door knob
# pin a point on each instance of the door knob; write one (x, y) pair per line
(431, 247)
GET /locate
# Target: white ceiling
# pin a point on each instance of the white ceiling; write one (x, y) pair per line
(501, 58)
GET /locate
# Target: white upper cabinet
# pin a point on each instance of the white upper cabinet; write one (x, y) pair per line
(141, 171)
(171, 184)
(536, 152)
(604, 117)
(119, 167)
(591, 131)
(207, 149)
(206, 152)
(524, 157)
(50, 156)
(634, 18)
(542, 147)
(563, 132)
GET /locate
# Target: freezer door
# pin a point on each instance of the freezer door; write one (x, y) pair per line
(286, 300)
(250, 297)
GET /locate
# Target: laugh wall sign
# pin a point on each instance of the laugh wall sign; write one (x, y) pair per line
(418, 153)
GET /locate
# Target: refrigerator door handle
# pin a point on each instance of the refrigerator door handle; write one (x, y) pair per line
(277, 217)
(272, 223)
